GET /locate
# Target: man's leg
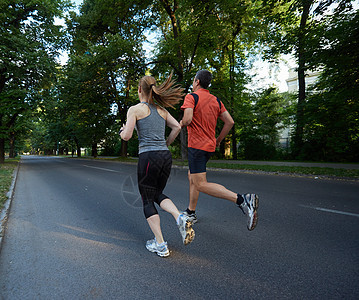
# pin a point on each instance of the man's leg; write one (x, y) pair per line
(200, 184)
(247, 202)
(193, 194)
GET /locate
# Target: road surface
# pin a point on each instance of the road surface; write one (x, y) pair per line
(76, 230)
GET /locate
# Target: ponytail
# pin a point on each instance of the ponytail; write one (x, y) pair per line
(167, 94)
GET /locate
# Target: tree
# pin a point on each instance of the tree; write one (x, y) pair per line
(107, 53)
(29, 43)
(266, 113)
(294, 25)
(212, 36)
(331, 130)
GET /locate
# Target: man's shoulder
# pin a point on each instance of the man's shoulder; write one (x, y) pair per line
(202, 93)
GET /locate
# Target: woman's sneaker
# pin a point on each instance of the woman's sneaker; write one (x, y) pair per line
(185, 228)
(249, 208)
(160, 249)
(191, 217)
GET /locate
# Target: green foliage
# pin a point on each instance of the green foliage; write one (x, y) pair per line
(332, 110)
(106, 60)
(266, 115)
(84, 103)
(29, 44)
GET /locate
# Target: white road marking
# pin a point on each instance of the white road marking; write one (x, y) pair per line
(333, 211)
(103, 169)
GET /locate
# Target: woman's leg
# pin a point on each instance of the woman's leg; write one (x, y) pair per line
(147, 180)
(155, 225)
(163, 201)
(168, 206)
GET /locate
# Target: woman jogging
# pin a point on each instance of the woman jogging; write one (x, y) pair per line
(155, 160)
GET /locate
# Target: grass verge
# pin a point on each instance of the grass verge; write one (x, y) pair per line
(6, 172)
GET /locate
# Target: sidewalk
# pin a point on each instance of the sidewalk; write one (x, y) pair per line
(348, 166)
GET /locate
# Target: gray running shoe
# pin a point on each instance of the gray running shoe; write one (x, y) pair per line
(191, 217)
(160, 249)
(185, 228)
(249, 208)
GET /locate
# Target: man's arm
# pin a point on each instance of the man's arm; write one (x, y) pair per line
(228, 124)
(187, 117)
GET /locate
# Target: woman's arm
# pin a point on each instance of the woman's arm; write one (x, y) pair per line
(175, 126)
(127, 130)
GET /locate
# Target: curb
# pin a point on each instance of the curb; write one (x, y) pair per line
(6, 209)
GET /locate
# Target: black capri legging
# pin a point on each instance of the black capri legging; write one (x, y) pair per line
(153, 170)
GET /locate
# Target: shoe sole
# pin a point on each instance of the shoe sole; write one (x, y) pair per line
(255, 214)
(189, 233)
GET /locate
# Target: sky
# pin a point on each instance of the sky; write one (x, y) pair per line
(264, 74)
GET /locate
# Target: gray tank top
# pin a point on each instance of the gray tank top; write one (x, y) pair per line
(151, 131)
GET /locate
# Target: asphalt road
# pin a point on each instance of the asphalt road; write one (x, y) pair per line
(76, 231)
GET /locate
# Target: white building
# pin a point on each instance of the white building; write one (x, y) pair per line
(292, 81)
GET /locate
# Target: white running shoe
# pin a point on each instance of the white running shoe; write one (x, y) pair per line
(185, 228)
(249, 208)
(160, 249)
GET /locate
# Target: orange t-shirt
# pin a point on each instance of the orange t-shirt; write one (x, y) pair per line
(202, 130)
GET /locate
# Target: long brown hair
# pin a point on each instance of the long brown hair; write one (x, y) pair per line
(166, 94)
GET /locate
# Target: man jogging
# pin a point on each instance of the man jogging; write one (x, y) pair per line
(201, 111)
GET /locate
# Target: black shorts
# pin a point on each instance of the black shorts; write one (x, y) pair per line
(197, 160)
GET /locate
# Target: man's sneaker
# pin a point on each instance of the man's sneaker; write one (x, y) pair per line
(185, 228)
(249, 208)
(191, 217)
(160, 249)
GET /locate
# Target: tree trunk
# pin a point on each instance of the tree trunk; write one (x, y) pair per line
(12, 153)
(124, 146)
(2, 150)
(298, 137)
(234, 143)
(94, 150)
(184, 144)
(232, 66)
(222, 149)
(176, 29)
(78, 150)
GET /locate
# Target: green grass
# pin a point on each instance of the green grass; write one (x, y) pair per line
(6, 172)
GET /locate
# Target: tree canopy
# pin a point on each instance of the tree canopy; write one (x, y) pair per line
(51, 108)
